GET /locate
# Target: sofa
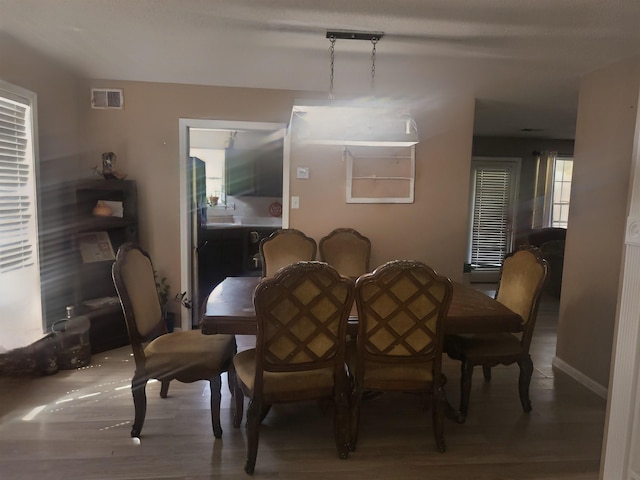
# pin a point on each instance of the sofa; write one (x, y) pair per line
(551, 242)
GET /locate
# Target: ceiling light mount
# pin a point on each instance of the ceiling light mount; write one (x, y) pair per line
(362, 122)
(354, 35)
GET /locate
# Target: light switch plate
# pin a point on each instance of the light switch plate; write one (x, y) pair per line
(295, 202)
(302, 172)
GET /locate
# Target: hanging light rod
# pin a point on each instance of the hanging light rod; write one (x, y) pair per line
(354, 35)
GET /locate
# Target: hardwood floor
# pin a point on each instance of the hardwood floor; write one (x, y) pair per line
(80, 423)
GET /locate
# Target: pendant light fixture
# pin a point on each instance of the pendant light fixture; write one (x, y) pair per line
(371, 122)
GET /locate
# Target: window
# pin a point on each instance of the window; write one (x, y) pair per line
(553, 190)
(21, 302)
(493, 193)
(561, 191)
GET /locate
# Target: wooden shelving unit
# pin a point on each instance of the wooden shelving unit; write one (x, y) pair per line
(94, 285)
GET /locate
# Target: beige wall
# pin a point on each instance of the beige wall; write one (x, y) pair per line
(145, 137)
(59, 116)
(603, 152)
(433, 229)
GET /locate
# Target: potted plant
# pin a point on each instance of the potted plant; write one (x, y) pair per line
(162, 286)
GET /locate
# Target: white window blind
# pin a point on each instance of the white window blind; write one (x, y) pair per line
(16, 202)
(492, 197)
(21, 302)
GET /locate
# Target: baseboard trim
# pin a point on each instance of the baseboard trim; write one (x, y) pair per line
(579, 377)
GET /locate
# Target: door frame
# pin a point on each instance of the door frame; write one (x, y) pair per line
(186, 206)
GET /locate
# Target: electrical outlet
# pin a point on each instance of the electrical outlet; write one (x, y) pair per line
(295, 202)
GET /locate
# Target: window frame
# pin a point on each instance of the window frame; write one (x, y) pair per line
(32, 324)
(512, 165)
(550, 200)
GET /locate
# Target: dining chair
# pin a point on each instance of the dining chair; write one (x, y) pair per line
(284, 247)
(401, 307)
(520, 287)
(186, 356)
(301, 315)
(347, 250)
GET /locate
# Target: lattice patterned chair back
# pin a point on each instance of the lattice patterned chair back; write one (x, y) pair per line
(302, 315)
(401, 307)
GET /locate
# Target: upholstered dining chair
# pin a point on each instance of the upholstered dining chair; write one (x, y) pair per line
(347, 250)
(186, 356)
(401, 307)
(302, 315)
(284, 247)
(520, 287)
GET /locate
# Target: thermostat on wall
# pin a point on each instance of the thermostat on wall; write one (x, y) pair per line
(302, 172)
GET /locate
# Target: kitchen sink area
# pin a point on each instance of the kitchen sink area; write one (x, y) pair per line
(222, 221)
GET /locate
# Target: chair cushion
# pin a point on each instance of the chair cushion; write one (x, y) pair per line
(391, 376)
(189, 355)
(484, 345)
(282, 384)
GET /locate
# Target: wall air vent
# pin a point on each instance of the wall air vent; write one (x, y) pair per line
(103, 98)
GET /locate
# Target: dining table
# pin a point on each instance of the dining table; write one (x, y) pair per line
(229, 309)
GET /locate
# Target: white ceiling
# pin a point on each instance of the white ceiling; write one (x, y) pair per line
(522, 60)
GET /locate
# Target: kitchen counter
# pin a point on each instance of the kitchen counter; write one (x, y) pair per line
(222, 225)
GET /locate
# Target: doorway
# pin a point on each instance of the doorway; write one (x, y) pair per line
(193, 212)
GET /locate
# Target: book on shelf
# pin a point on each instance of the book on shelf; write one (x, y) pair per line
(95, 247)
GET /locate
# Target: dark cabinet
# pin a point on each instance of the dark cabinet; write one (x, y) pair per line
(253, 262)
(220, 254)
(256, 173)
(96, 239)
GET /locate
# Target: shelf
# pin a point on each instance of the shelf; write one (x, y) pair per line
(91, 223)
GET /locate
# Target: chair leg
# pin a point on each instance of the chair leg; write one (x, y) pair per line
(341, 421)
(486, 371)
(526, 372)
(215, 384)
(355, 403)
(254, 414)
(238, 396)
(164, 388)
(138, 390)
(438, 409)
(466, 371)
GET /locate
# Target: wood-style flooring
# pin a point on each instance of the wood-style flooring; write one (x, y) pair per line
(76, 424)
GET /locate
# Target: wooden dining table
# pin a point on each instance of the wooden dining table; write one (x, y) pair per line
(229, 309)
